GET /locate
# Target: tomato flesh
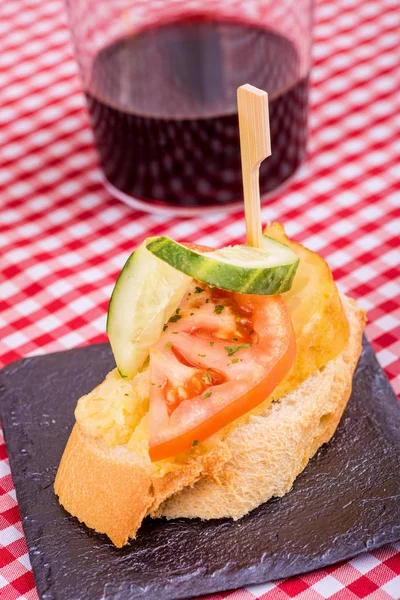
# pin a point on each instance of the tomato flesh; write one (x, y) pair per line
(219, 357)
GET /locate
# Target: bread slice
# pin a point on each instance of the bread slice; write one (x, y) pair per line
(273, 448)
(113, 489)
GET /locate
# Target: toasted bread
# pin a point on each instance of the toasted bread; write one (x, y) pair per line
(113, 489)
(270, 451)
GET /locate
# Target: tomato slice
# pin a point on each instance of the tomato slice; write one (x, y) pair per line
(220, 355)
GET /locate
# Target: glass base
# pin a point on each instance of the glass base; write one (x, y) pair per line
(179, 211)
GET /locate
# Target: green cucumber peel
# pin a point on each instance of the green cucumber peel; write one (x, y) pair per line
(146, 294)
(266, 271)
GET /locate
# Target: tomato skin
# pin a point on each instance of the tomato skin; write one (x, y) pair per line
(243, 389)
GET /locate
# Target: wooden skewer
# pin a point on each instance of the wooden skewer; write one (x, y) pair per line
(255, 146)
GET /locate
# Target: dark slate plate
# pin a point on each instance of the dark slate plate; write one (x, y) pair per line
(346, 501)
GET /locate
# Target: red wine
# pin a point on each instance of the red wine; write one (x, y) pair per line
(163, 110)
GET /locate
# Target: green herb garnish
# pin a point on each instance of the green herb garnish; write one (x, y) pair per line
(198, 290)
(218, 309)
(174, 318)
(195, 442)
(212, 343)
(231, 350)
(168, 345)
(207, 395)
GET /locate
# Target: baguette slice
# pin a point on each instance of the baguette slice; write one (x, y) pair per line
(270, 451)
(112, 489)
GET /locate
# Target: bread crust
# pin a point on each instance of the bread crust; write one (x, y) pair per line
(272, 449)
(111, 490)
(105, 488)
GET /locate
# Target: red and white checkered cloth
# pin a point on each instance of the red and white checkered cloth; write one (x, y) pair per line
(63, 238)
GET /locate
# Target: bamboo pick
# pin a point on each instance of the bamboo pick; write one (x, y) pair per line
(255, 146)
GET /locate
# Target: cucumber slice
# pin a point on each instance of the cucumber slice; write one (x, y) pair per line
(244, 269)
(146, 294)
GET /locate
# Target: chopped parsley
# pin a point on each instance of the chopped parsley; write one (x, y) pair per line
(207, 395)
(198, 290)
(174, 332)
(168, 345)
(201, 355)
(219, 308)
(174, 318)
(165, 327)
(212, 343)
(235, 360)
(195, 442)
(235, 340)
(231, 350)
(207, 300)
(128, 394)
(191, 314)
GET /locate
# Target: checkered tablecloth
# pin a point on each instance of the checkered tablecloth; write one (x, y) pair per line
(63, 238)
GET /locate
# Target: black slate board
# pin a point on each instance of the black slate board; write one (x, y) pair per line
(346, 501)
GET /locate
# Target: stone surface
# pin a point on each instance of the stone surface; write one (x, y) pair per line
(346, 501)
